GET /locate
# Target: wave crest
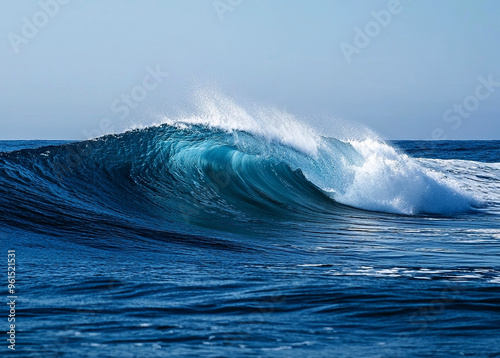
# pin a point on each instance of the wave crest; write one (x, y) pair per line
(227, 162)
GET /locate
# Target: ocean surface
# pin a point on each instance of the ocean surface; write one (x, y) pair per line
(190, 239)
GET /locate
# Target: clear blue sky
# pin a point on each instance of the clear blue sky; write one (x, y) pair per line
(79, 59)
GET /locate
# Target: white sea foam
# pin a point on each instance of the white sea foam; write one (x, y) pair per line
(276, 126)
(390, 181)
(378, 177)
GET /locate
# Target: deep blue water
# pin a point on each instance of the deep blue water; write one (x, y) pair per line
(192, 241)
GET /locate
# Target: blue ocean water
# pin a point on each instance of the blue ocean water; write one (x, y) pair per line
(187, 239)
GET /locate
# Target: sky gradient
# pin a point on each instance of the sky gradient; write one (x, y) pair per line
(418, 69)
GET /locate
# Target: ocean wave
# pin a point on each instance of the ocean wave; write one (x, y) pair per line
(224, 164)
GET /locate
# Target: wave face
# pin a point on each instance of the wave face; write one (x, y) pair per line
(226, 163)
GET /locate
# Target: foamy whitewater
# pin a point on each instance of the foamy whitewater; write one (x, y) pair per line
(367, 174)
(240, 230)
